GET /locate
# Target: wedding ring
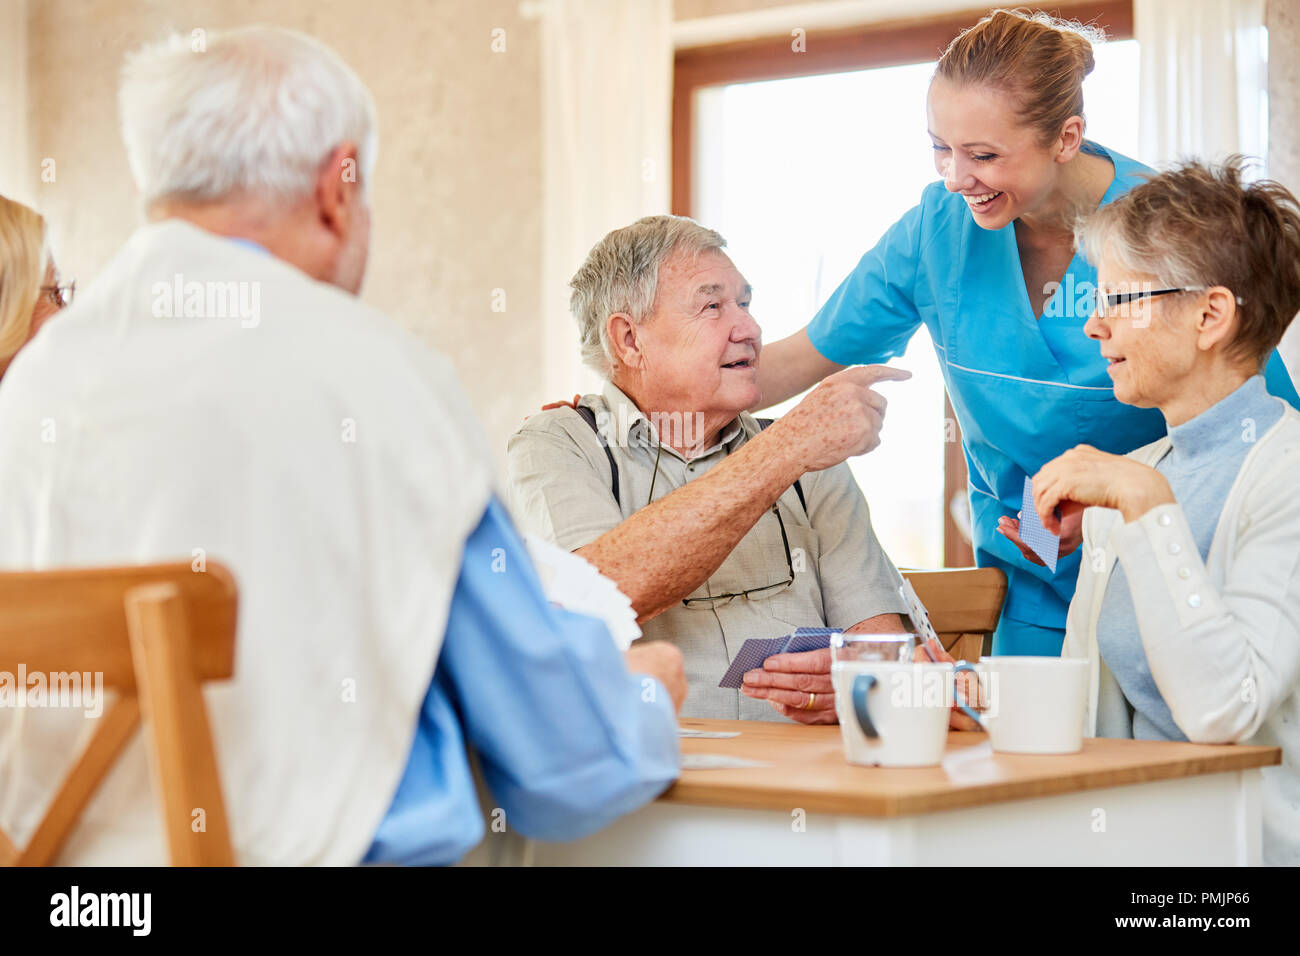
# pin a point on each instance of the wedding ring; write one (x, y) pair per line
(811, 697)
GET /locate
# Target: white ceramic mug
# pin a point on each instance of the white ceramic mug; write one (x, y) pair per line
(892, 713)
(1035, 705)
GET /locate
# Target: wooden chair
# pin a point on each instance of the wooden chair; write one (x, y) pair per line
(964, 606)
(155, 633)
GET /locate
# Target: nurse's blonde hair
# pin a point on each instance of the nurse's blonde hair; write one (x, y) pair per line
(23, 260)
(1037, 59)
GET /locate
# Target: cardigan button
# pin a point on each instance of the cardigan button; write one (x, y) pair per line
(1194, 600)
(1175, 547)
(1165, 521)
(1184, 573)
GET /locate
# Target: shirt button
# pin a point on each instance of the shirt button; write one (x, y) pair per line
(1165, 521)
(1184, 573)
(1194, 600)
(1175, 547)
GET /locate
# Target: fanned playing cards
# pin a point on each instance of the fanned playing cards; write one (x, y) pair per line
(758, 649)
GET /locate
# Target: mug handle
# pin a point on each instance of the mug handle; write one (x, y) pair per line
(861, 685)
(962, 704)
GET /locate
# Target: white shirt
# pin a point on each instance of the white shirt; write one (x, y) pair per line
(321, 453)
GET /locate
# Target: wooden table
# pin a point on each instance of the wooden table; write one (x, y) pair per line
(1118, 802)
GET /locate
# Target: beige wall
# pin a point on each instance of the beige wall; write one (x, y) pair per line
(457, 194)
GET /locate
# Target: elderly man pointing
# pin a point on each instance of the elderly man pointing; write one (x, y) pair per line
(716, 528)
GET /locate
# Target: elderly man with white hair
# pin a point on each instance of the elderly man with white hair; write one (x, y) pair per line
(716, 528)
(220, 393)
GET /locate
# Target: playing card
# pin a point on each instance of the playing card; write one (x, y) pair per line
(717, 762)
(711, 734)
(1041, 541)
(751, 654)
(917, 612)
(809, 639)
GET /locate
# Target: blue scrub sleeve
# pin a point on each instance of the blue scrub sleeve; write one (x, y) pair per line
(1279, 382)
(872, 315)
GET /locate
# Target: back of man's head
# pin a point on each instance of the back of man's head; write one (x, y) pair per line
(257, 132)
(255, 111)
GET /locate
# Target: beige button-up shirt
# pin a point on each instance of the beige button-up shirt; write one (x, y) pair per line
(560, 489)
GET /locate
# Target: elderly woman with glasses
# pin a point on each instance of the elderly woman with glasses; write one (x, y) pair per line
(1188, 597)
(29, 285)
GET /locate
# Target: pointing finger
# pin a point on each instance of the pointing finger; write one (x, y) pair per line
(870, 374)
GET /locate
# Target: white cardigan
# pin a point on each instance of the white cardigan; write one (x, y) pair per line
(1222, 637)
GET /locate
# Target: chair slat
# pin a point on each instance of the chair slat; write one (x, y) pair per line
(183, 762)
(48, 614)
(154, 633)
(961, 601)
(115, 729)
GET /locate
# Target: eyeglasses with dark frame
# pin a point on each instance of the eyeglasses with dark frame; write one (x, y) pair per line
(721, 600)
(60, 295)
(1113, 300)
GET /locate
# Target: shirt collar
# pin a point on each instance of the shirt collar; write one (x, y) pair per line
(250, 244)
(633, 425)
(1203, 437)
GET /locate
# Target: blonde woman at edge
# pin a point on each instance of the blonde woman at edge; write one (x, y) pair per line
(29, 282)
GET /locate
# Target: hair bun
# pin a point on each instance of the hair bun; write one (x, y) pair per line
(1039, 58)
(1084, 46)
(1079, 37)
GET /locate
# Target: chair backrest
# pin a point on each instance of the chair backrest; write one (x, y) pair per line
(155, 633)
(964, 606)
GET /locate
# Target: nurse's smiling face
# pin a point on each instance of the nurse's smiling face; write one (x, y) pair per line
(982, 151)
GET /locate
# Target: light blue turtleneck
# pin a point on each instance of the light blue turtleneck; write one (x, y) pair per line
(1207, 453)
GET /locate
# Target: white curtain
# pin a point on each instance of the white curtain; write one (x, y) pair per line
(607, 71)
(1204, 90)
(16, 180)
(1204, 80)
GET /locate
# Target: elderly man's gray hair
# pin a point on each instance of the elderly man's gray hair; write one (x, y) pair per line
(253, 111)
(621, 275)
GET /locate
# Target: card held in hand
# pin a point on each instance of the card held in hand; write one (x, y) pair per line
(919, 615)
(754, 651)
(1041, 541)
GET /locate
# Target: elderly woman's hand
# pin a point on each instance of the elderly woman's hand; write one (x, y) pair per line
(790, 682)
(1084, 477)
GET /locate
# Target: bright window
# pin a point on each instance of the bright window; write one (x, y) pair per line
(802, 176)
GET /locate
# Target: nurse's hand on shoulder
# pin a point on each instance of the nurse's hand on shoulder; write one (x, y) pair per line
(1085, 477)
(839, 418)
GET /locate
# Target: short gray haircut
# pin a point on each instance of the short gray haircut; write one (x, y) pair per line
(621, 274)
(254, 110)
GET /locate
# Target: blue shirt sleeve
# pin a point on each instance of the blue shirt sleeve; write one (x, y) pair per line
(872, 315)
(567, 739)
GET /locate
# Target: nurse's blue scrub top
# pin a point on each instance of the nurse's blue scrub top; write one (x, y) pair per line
(1025, 389)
